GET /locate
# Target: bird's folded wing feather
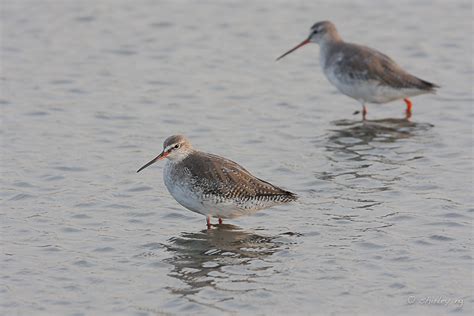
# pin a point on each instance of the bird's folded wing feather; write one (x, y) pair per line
(365, 63)
(224, 177)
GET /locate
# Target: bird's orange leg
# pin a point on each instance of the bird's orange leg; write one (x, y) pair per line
(409, 106)
(364, 112)
(208, 221)
(220, 221)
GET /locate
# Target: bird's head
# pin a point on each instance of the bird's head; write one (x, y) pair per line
(319, 33)
(175, 148)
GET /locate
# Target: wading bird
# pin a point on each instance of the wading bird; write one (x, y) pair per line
(212, 185)
(361, 72)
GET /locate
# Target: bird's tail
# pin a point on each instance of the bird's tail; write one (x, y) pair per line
(428, 86)
(289, 196)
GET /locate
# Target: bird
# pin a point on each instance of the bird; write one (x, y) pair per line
(361, 72)
(212, 185)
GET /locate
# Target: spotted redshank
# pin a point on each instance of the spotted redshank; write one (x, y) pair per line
(214, 186)
(361, 72)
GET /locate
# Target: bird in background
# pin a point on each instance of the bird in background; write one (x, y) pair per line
(212, 185)
(361, 72)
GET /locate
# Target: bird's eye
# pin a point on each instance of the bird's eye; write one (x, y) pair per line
(176, 146)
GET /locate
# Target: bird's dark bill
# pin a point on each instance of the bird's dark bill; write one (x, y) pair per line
(159, 157)
(306, 41)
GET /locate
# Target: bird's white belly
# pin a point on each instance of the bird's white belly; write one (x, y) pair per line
(210, 206)
(193, 200)
(369, 91)
(186, 198)
(181, 192)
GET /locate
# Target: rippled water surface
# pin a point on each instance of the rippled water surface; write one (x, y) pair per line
(89, 91)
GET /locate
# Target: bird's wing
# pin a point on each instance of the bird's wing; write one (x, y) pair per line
(361, 62)
(226, 178)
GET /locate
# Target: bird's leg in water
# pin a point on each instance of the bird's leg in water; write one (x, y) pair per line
(364, 112)
(409, 106)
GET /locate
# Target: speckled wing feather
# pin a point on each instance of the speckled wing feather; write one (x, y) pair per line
(364, 63)
(227, 179)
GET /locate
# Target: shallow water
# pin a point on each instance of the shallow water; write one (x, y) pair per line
(90, 91)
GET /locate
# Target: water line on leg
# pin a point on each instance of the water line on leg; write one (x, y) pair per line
(408, 111)
(208, 221)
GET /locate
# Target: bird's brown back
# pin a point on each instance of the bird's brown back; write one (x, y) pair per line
(364, 63)
(225, 178)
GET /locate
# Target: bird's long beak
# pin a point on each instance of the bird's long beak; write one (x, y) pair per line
(159, 157)
(303, 43)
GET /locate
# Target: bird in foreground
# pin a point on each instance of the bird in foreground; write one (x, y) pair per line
(361, 72)
(212, 185)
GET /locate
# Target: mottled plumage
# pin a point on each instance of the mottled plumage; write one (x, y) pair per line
(215, 186)
(225, 178)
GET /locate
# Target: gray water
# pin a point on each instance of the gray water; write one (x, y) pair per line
(91, 89)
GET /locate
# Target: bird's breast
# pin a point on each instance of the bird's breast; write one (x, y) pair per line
(182, 187)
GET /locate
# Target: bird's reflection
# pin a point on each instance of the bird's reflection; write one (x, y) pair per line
(201, 258)
(384, 130)
(369, 158)
(357, 139)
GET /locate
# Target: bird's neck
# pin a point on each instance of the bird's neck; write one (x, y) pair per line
(327, 45)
